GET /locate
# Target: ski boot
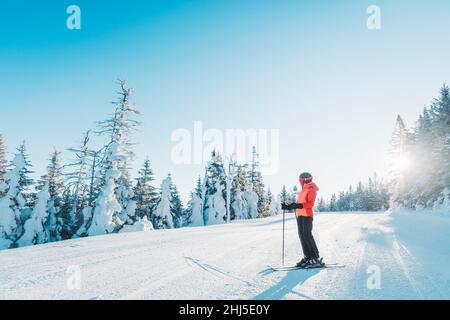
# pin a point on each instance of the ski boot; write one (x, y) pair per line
(302, 263)
(314, 263)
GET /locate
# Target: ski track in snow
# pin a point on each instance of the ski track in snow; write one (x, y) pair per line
(230, 262)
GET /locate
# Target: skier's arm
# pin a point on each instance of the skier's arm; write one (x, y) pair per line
(310, 199)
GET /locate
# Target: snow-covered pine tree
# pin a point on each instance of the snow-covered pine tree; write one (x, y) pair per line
(252, 201)
(284, 196)
(239, 209)
(145, 193)
(25, 181)
(230, 174)
(3, 161)
(422, 193)
(75, 214)
(162, 215)
(194, 209)
(256, 180)
(176, 207)
(215, 194)
(333, 203)
(125, 196)
(440, 114)
(272, 205)
(109, 213)
(321, 205)
(13, 203)
(53, 181)
(34, 228)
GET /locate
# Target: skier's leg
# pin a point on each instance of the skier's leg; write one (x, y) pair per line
(311, 242)
(301, 235)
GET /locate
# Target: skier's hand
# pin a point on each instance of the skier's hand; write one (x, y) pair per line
(298, 206)
(286, 206)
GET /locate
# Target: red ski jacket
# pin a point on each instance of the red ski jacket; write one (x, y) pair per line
(307, 197)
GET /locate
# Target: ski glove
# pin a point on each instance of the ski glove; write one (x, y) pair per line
(291, 206)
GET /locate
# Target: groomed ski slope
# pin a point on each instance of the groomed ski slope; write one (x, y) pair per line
(230, 262)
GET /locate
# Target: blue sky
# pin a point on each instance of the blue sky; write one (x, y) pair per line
(309, 68)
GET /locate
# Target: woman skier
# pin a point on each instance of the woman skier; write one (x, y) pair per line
(304, 213)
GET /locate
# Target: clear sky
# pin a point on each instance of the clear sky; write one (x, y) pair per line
(309, 68)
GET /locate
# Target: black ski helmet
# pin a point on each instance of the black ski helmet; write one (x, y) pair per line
(306, 177)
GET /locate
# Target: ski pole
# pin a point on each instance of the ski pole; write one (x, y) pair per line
(282, 250)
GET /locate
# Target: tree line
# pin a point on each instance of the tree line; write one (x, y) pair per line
(95, 194)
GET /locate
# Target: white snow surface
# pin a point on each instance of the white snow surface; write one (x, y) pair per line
(229, 261)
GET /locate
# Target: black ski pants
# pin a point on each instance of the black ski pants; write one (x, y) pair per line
(305, 226)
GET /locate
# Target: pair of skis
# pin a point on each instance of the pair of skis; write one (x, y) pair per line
(289, 268)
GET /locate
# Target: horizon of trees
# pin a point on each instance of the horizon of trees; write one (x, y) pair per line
(95, 194)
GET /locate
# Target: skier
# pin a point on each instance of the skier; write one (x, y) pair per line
(304, 213)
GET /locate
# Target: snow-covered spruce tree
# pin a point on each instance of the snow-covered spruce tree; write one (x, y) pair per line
(125, 196)
(321, 205)
(14, 200)
(162, 215)
(25, 181)
(273, 206)
(176, 207)
(239, 208)
(145, 193)
(215, 192)
(440, 115)
(75, 212)
(53, 181)
(332, 207)
(35, 231)
(252, 201)
(3, 161)
(194, 210)
(110, 214)
(284, 196)
(107, 207)
(257, 183)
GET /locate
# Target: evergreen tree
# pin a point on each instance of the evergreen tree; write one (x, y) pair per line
(333, 203)
(14, 200)
(284, 197)
(215, 195)
(257, 183)
(321, 205)
(145, 193)
(34, 228)
(162, 217)
(3, 161)
(75, 213)
(112, 210)
(239, 207)
(176, 207)
(53, 180)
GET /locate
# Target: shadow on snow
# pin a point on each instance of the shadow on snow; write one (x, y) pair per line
(286, 285)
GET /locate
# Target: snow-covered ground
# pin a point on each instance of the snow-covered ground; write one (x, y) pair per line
(412, 253)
